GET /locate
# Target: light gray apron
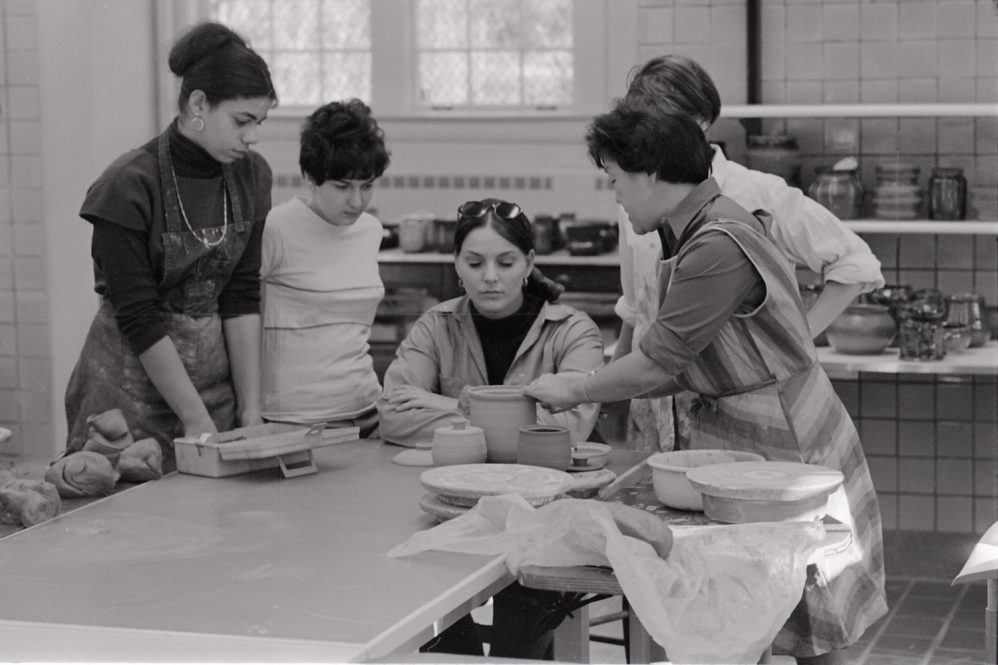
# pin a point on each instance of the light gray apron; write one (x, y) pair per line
(110, 375)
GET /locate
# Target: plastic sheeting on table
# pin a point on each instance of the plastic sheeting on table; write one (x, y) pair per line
(721, 595)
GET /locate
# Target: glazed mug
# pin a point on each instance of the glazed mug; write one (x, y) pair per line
(501, 411)
(545, 445)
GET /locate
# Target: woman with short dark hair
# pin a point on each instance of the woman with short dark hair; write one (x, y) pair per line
(731, 328)
(321, 281)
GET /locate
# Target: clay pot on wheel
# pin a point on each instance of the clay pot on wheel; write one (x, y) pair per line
(862, 330)
(501, 411)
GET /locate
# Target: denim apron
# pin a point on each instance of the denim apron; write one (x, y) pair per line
(758, 387)
(110, 375)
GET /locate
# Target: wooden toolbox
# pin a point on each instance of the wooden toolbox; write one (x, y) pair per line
(267, 446)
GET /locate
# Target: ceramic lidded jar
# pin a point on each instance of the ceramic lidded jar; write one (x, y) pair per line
(460, 443)
(545, 445)
(501, 411)
(862, 329)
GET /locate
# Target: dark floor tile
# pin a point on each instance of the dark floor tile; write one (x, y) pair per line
(904, 644)
(884, 657)
(934, 589)
(968, 617)
(956, 638)
(895, 589)
(906, 624)
(926, 607)
(957, 657)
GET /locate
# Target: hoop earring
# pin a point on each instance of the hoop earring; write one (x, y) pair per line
(460, 282)
(526, 280)
(197, 124)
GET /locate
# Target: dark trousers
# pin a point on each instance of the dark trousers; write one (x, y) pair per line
(523, 623)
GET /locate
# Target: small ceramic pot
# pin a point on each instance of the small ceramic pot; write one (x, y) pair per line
(956, 336)
(862, 329)
(501, 411)
(545, 445)
(460, 443)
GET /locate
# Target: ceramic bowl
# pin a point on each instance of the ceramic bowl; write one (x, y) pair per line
(589, 455)
(956, 336)
(669, 473)
(5, 435)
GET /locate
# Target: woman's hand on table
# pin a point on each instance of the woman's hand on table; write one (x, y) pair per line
(408, 398)
(557, 392)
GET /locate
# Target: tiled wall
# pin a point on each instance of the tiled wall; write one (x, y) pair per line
(25, 383)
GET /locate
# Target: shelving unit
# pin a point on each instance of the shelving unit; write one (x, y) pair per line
(970, 110)
(981, 361)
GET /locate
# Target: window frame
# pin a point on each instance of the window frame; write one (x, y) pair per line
(604, 45)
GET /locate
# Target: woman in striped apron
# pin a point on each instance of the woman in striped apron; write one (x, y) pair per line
(731, 327)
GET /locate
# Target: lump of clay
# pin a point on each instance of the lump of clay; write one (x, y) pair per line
(85, 473)
(28, 502)
(141, 461)
(108, 434)
(643, 526)
(111, 424)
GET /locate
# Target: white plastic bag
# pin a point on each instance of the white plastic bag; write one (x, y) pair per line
(720, 597)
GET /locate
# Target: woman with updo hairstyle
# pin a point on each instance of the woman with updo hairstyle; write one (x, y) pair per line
(177, 225)
(507, 329)
(321, 281)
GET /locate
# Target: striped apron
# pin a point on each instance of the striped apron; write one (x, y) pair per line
(760, 388)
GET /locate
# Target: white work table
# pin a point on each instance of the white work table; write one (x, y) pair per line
(982, 361)
(247, 568)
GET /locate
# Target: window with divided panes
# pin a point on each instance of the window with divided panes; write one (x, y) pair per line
(466, 54)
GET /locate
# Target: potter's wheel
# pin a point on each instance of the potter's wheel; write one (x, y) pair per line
(537, 485)
(787, 481)
(738, 492)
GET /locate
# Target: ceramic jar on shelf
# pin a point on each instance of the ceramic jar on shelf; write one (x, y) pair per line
(947, 194)
(838, 190)
(894, 296)
(897, 195)
(922, 336)
(862, 329)
(968, 309)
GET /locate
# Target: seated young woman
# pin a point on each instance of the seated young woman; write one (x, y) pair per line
(507, 329)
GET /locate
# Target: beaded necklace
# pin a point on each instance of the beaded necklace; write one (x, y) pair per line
(203, 236)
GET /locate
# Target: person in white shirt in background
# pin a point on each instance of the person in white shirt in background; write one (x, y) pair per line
(321, 281)
(804, 230)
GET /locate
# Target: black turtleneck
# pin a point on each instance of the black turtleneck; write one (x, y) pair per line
(125, 206)
(501, 338)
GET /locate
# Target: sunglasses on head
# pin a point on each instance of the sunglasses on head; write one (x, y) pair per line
(503, 209)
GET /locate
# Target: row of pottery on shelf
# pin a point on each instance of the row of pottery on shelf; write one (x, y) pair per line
(926, 324)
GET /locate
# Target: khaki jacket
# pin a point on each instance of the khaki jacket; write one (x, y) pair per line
(442, 354)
